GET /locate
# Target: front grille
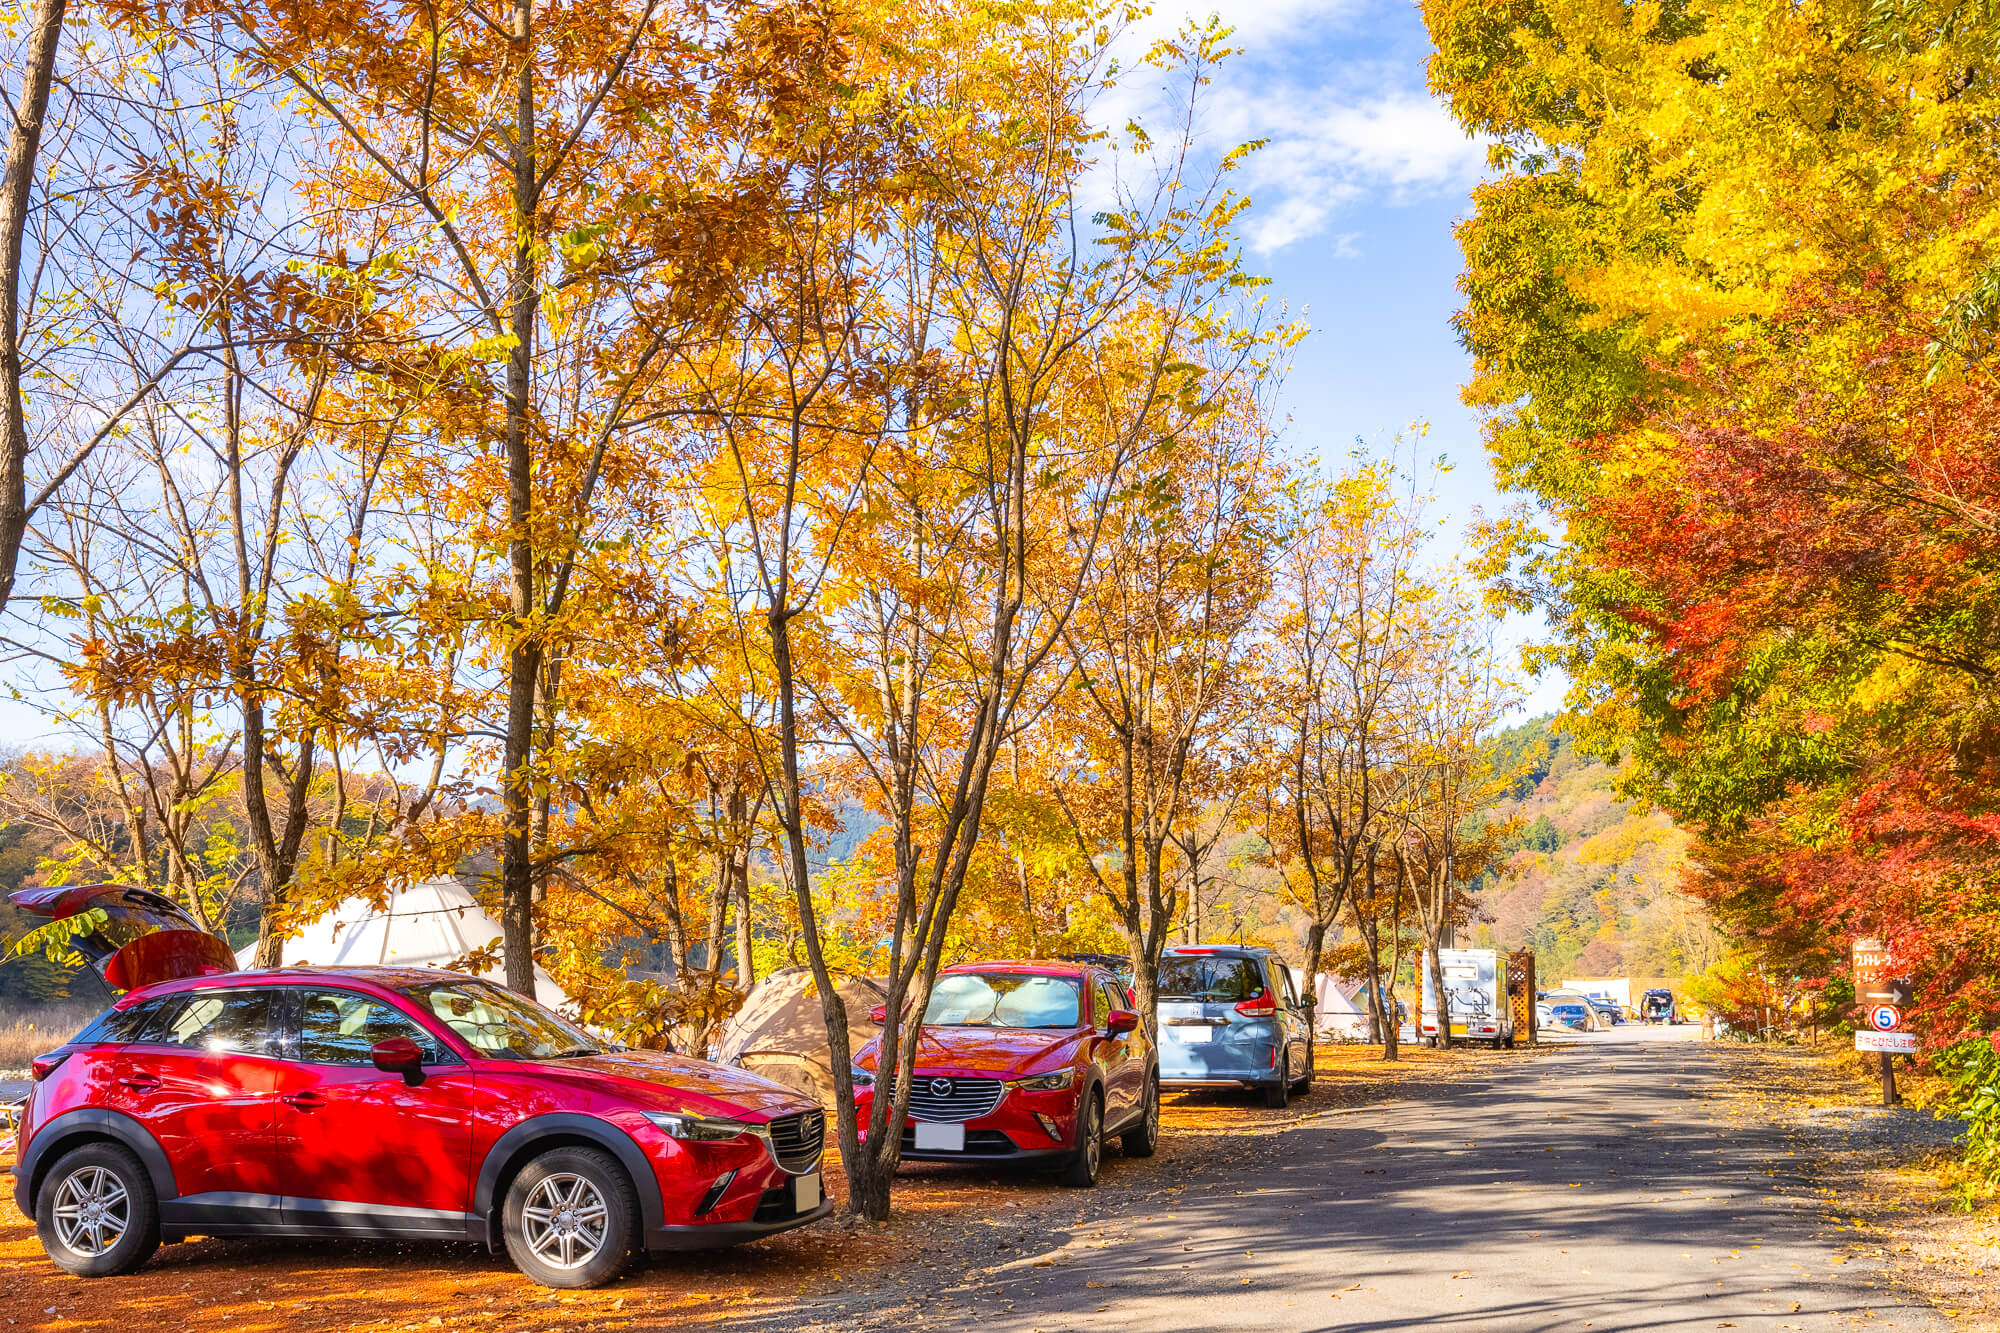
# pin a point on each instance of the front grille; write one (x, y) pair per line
(796, 1140)
(948, 1099)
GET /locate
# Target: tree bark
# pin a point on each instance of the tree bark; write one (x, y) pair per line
(524, 653)
(24, 144)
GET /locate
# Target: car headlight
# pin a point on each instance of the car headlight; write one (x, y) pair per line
(1044, 1082)
(698, 1129)
(860, 1077)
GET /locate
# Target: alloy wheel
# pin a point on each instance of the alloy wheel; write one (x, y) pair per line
(92, 1211)
(1093, 1137)
(565, 1220)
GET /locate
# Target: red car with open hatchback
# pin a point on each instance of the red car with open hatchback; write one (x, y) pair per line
(382, 1102)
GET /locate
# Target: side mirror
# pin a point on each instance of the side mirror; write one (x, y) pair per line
(1120, 1022)
(400, 1055)
(879, 1014)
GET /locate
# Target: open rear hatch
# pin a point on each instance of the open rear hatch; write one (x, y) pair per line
(133, 937)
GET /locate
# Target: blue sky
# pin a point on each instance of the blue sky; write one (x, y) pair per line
(1354, 198)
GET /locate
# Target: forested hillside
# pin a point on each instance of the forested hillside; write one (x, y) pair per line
(1590, 881)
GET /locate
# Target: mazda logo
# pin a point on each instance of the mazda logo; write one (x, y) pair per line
(940, 1087)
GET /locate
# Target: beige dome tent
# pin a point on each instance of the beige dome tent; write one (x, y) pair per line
(1335, 1013)
(780, 1032)
(429, 924)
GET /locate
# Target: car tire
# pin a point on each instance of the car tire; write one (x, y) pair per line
(1144, 1137)
(96, 1213)
(1278, 1095)
(570, 1218)
(1080, 1172)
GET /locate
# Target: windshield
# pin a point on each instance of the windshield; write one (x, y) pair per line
(1004, 1000)
(1214, 977)
(502, 1025)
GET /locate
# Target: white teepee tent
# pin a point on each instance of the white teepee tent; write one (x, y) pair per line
(1334, 1014)
(429, 924)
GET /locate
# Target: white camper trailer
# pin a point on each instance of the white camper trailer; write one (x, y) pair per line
(1475, 983)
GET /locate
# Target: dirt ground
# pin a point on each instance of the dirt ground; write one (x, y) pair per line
(1887, 1177)
(255, 1286)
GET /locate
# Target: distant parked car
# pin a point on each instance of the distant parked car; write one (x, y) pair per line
(1025, 1062)
(1657, 1006)
(1573, 1014)
(1231, 1014)
(1609, 1012)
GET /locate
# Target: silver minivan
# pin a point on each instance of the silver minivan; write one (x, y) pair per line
(1230, 1013)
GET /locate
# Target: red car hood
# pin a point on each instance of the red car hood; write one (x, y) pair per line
(986, 1052)
(679, 1083)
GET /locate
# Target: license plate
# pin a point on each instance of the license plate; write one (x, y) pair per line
(1197, 1034)
(806, 1192)
(940, 1138)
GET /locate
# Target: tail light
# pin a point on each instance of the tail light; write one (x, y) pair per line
(44, 1065)
(1260, 1005)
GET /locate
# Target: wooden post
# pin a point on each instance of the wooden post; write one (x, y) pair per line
(1889, 1096)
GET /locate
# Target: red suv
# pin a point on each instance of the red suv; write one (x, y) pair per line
(1026, 1062)
(395, 1103)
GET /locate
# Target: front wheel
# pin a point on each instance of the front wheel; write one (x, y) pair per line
(1081, 1172)
(95, 1212)
(1144, 1137)
(570, 1218)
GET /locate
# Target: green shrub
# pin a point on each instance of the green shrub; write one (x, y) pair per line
(1972, 1070)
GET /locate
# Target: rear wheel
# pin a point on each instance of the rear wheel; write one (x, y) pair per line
(1279, 1095)
(95, 1212)
(1144, 1137)
(1081, 1172)
(570, 1218)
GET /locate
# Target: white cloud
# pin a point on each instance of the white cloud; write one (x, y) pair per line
(1344, 112)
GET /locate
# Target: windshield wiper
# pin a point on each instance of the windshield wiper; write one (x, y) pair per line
(574, 1050)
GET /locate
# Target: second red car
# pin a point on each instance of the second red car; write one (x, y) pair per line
(1026, 1062)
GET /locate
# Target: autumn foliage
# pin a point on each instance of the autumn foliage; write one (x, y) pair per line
(1731, 309)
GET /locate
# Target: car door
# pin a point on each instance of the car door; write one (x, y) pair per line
(202, 1077)
(1291, 1022)
(1123, 1058)
(367, 1151)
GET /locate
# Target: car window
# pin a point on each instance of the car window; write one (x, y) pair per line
(1108, 999)
(117, 1026)
(1004, 1000)
(502, 1025)
(1291, 986)
(223, 1021)
(1212, 977)
(341, 1028)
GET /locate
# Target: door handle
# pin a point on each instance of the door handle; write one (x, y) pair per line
(140, 1081)
(304, 1101)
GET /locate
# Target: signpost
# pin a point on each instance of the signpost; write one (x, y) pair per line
(1899, 1043)
(1885, 998)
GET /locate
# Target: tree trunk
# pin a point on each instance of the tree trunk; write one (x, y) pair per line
(746, 963)
(524, 656)
(1315, 944)
(1436, 965)
(24, 144)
